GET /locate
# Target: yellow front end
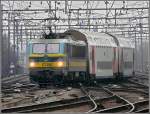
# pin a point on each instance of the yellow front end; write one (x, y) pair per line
(45, 68)
(58, 64)
(46, 61)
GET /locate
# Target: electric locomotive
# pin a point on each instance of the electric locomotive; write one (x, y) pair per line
(52, 60)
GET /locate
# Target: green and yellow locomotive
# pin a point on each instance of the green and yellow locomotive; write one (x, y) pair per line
(56, 60)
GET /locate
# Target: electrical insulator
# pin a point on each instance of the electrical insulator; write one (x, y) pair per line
(106, 2)
(30, 4)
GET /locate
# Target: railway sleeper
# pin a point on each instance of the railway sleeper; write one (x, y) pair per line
(58, 107)
(23, 108)
(144, 110)
(124, 108)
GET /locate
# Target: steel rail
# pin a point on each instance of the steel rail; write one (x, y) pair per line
(98, 89)
(123, 107)
(133, 107)
(53, 105)
(22, 88)
(141, 73)
(140, 106)
(112, 96)
(95, 105)
(145, 110)
(119, 97)
(61, 106)
(114, 109)
(36, 107)
(130, 89)
(138, 83)
(109, 91)
(12, 77)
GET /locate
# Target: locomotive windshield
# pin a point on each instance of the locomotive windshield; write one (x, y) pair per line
(45, 48)
(39, 48)
(52, 48)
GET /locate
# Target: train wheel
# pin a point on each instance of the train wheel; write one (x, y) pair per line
(41, 85)
(58, 80)
(32, 79)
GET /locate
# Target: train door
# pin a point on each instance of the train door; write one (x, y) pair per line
(128, 62)
(115, 66)
(91, 60)
(121, 61)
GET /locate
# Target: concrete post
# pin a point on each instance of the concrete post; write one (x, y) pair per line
(9, 55)
(0, 39)
(141, 42)
(149, 41)
(14, 43)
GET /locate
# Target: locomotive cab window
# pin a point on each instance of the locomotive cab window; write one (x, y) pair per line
(78, 51)
(52, 48)
(38, 48)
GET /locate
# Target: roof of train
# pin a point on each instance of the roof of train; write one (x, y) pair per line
(123, 42)
(69, 40)
(93, 38)
(100, 39)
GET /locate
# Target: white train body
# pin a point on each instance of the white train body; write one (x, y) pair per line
(108, 56)
(126, 54)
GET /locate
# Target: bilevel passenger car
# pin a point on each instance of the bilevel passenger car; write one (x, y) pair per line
(80, 56)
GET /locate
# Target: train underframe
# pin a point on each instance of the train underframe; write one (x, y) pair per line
(59, 77)
(62, 76)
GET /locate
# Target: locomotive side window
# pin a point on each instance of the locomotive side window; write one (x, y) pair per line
(78, 51)
(38, 48)
(52, 48)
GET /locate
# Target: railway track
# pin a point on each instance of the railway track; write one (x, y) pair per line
(130, 96)
(140, 81)
(47, 106)
(14, 78)
(141, 78)
(141, 73)
(138, 107)
(8, 82)
(124, 97)
(82, 104)
(110, 102)
(21, 88)
(142, 106)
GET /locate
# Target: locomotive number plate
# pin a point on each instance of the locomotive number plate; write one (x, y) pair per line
(46, 65)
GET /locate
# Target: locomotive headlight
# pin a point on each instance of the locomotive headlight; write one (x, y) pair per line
(60, 64)
(32, 64)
